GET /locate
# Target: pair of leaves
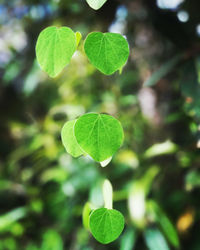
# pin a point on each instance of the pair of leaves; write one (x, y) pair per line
(106, 224)
(98, 135)
(108, 52)
(96, 4)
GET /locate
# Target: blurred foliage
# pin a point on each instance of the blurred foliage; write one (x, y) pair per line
(42, 189)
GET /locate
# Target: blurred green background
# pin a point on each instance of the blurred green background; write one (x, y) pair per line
(155, 174)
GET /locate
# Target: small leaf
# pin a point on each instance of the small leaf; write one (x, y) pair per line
(106, 224)
(99, 135)
(137, 196)
(137, 204)
(166, 225)
(85, 215)
(52, 241)
(163, 148)
(192, 179)
(7, 219)
(54, 49)
(155, 240)
(108, 52)
(69, 140)
(96, 4)
(128, 239)
(78, 38)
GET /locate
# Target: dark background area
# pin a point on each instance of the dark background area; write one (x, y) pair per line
(156, 98)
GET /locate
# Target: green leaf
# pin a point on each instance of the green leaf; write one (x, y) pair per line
(99, 135)
(86, 214)
(137, 196)
(165, 224)
(189, 81)
(192, 179)
(96, 4)
(106, 224)
(155, 240)
(197, 64)
(52, 241)
(6, 220)
(54, 49)
(190, 87)
(128, 239)
(163, 148)
(69, 140)
(108, 52)
(163, 71)
(78, 38)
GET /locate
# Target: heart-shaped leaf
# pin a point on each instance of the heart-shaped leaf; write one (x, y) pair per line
(106, 224)
(108, 52)
(69, 140)
(54, 49)
(99, 135)
(96, 4)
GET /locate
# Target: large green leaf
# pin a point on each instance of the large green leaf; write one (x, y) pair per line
(106, 224)
(54, 49)
(69, 140)
(96, 4)
(99, 135)
(108, 52)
